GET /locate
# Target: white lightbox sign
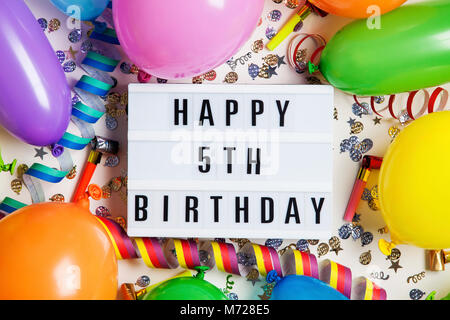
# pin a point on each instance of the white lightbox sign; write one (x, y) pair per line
(251, 161)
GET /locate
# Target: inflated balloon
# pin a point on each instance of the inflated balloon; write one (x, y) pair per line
(414, 183)
(186, 288)
(178, 38)
(56, 251)
(35, 102)
(87, 9)
(295, 287)
(410, 51)
(357, 8)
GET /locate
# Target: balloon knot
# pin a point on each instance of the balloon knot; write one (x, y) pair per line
(201, 272)
(272, 276)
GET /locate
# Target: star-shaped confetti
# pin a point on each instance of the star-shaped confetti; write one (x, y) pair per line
(40, 153)
(395, 265)
(337, 249)
(376, 120)
(280, 60)
(351, 121)
(356, 217)
(71, 53)
(271, 71)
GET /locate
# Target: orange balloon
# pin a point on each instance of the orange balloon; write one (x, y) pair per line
(357, 8)
(56, 251)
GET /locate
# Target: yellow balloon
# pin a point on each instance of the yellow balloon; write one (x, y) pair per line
(414, 183)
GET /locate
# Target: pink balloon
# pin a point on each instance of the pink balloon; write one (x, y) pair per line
(183, 38)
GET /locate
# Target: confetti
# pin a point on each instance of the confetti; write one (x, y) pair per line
(345, 231)
(69, 66)
(292, 4)
(365, 258)
(357, 231)
(121, 221)
(57, 198)
(335, 244)
(270, 32)
(160, 80)
(232, 296)
(395, 265)
(106, 192)
(86, 46)
(197, 80)
(125, 68)
(116, 184)
(40, 153)
(379, 99)
(210, 75)
(231, 77)
(112, 161)
(102, 211)
(416, 294)
(274, 15)
(273, 243)
(361, 109)
(366, 238)
(72, 173)
(271, 60)
(43, 23)
(313, 242)
(302, 245)
(355, 155)
(16, 185)
(356, 128)
(61, 56)
(54, 25)
(322, 249)
(111, 122)
(75, 35)
(395, 254)
(417, 277)
(253, 70)
(258, 46)
(393, 131)
(143, 281)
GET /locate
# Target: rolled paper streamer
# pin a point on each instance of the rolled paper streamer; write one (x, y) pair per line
(357, 70)
(338, 276)
(300, 263)
(368, 290)
(9, 205)
(172, 253)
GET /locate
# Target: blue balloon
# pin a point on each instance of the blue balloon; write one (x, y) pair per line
(294, 287)
(88, 9)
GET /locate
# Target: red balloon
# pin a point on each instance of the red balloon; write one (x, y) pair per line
(56, 251)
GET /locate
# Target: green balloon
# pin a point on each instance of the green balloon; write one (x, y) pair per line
(186, 288)
(410, 51)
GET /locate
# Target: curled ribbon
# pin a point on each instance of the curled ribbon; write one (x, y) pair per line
(90, 89)
(189, 254)
(405, 115)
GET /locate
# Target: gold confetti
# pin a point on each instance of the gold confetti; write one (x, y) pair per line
(322, 249)
(124, 99)
(113, 98)
(116, 184)
(313, 242)
(373, 204)
(231, 77)
(121, 221)
(365, 258)
(356, 128)
(258, 46)
(374, 192)
(106, 192)
(16, 185)
(292, 4)
(57, 198)
(416, 278)
(271, 60)
(197, 80)
(72, 173)
(393, 132)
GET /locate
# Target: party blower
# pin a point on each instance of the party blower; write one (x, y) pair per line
(346, 8)
(412, 185)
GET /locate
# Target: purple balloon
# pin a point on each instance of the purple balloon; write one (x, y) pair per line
(34, 95)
